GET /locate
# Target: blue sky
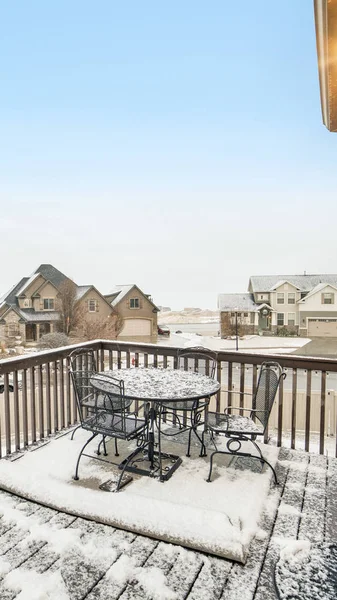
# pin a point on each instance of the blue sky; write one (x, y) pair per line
(176, 145)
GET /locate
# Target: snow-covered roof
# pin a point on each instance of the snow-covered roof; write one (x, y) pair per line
(120, 291)
(26, 284)
(81, 290)
(242, 302)
(317, 288)
(305, 283)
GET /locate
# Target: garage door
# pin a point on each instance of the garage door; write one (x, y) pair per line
(135, 327)
(322, 327)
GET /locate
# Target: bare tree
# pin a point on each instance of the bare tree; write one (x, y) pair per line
(99, 328)
(67, 307)
(228, 325)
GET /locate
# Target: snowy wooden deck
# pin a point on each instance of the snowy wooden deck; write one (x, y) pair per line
(135, 566)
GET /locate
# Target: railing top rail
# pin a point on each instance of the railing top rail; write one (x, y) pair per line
(285, 360)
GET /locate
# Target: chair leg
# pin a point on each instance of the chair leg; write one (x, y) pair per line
(76, 477)
(102, 443)
(76, 428)
(116, 448)
(234, 455)
(211, 466)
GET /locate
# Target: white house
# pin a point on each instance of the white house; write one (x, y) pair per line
(302, 304)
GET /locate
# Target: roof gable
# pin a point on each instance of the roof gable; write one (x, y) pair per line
(121, 291)
(317, 289)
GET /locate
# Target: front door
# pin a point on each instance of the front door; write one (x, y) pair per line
(30, 332)
(263, 322)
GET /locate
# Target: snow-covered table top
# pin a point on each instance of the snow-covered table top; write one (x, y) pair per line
(160, 384)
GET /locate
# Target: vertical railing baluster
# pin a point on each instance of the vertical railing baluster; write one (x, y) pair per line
(242, 387)
(68, 396)
(254, 386)
(55, 398)
(16, 411)
(146, 360)
(280, 414)
(32, 404)
(128, 359)
(48, 403)
(119, 359)
(7, 415)
(307, 412)
(293, 410)
(322, 413)
(230, 385)
(24, 408)
(61, 386)
(40, 397)
(110, 360)
(102, 360)
(219, 379)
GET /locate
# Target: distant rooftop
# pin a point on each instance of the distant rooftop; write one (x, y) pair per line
(305, 283)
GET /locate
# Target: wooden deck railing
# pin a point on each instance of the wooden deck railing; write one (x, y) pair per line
(38, 399)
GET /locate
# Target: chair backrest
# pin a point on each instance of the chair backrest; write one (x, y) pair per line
(198, 359)
(267, 386)
(82, 368)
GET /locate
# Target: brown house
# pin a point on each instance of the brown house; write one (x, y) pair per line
(137, 310)
(29, 309)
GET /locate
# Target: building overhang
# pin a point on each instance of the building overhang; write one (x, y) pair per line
(326, 42)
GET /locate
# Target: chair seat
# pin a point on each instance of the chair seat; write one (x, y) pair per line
(114, 425)
(185, 404)
(233, 424)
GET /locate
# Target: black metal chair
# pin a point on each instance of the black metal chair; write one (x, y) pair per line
(189, 415)
(83, 366)
(238, 428)
(104, 410)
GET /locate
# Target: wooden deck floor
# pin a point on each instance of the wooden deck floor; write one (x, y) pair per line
(307, 509)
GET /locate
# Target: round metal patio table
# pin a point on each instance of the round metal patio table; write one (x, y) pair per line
(157, 385)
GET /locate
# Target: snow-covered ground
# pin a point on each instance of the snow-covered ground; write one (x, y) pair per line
(249, 343)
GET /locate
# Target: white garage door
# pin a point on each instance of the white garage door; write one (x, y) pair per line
(322, 327)
(134, 327)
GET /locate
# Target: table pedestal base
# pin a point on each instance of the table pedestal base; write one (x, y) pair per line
(162, 466)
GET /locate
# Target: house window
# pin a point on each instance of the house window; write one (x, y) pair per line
(92, 306)
(291, 298)
(280, 319)
(261, 297)
(280, 298)
(134, 303)
(328, 298)
(12, 329)
(291, 319)
(245, 314)
(48, 303)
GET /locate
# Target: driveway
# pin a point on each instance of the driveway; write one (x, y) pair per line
(319, 346)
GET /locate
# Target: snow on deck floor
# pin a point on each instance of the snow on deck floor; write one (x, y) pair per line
(49, 555)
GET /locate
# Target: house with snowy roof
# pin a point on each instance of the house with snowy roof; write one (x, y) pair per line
(305, 305)
(137, 309)
(30, 308)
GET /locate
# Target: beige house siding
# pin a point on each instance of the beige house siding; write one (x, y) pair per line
(146, 310)
(102, 311)
(48, 291)
(34, 286)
